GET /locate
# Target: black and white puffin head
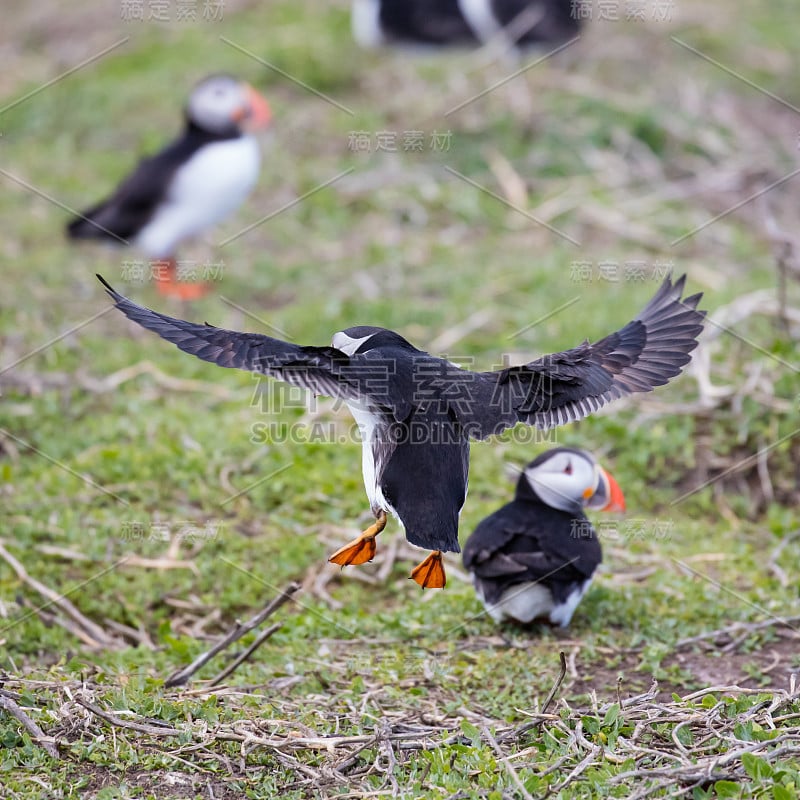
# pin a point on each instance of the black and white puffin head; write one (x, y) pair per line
(223, 105)
(570, 480)
(362, 338)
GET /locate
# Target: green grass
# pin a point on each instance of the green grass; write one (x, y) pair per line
(630, 142)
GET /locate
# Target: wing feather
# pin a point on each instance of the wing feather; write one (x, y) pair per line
(323, 370)
(564, 387)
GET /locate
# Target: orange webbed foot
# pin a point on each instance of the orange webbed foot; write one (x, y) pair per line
(362, 548)
(359, 551)
(430, 573)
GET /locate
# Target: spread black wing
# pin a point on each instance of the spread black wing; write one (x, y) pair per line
(323, 370)
(564, 387)
(517, 544)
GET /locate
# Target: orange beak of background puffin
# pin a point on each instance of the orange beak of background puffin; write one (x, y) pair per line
(616, 500)
(256, 114)
(606, 496)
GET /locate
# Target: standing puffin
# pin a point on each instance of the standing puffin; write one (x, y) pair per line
(189, 186)
(535, 557)
(462, 22)
(417, 413)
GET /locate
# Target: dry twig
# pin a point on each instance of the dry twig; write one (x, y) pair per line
(12, 708)
(260, 639)
(515, 733)
(80, 625)
(738, 631)
(180, 677)
(118, 722)
(512, 773)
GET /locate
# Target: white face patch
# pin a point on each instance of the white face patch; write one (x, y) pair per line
(562, 480)
(347, 344)
(214, 102)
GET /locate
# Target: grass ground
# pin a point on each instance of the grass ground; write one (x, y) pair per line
(166, 498)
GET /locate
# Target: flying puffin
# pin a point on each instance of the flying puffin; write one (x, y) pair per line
(535, 557)
(462, 22)
(417, 413)
(192, 184)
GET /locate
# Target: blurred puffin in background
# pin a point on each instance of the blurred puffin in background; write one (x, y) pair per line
(523, 23)
(534, 558)
(192, 184)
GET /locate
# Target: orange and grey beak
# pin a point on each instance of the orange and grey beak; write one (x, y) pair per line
(256, 113)
(607, 496)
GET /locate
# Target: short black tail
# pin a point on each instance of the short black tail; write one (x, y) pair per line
(76, 229)
(83, 228)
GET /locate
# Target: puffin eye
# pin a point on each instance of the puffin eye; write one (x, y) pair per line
(568, 468)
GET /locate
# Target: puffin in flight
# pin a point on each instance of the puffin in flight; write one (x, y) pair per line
(535, 557)
(417, 413)
(462, 22)
(192, 184)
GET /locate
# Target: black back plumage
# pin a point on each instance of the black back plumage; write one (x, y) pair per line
(424, 21)
(120, 217)
(426, 474)
(555, 20)
(527, 540)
